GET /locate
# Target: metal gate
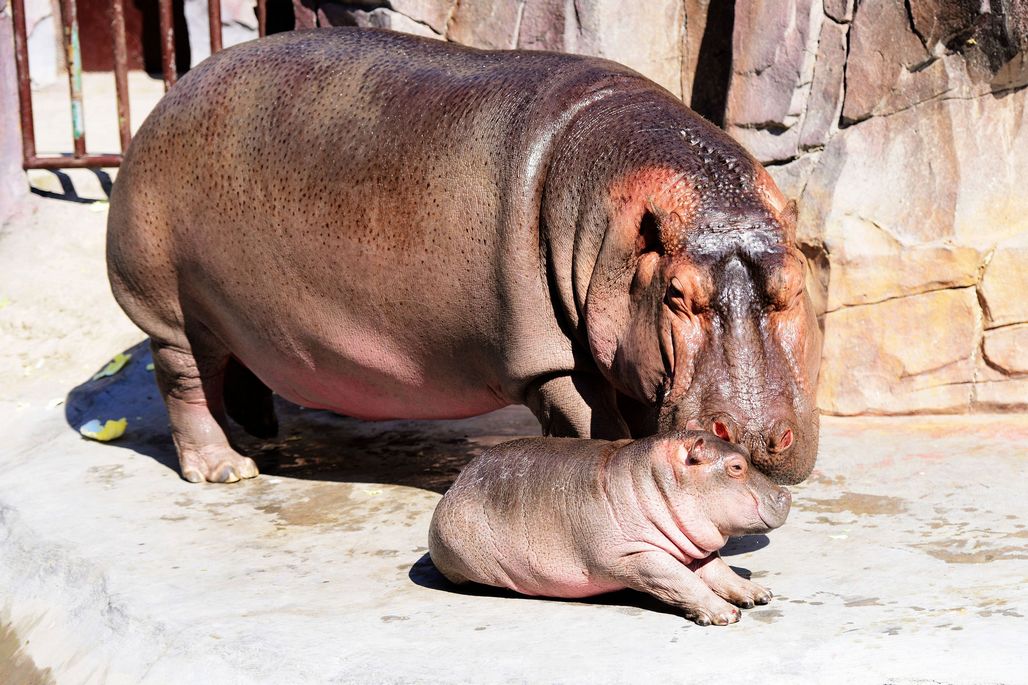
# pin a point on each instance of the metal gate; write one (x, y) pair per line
(79, 158)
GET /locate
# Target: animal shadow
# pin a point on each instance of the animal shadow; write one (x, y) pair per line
(425, 574)
(311, 444)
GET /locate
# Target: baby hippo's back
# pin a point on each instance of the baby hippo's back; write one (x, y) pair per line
(512, 518)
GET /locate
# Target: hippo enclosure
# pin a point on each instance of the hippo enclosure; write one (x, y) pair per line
(897, 126)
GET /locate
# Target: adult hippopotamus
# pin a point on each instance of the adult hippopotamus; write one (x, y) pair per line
(387, 226)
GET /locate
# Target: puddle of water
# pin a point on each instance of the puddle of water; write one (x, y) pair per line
(857, 503)
(16, 667)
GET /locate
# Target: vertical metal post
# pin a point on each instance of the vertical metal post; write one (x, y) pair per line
(214, 24)
(262, 18)
(21, 63)
(69, 20)
(121, 71)
(167, 43)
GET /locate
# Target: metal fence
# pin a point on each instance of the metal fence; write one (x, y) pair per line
(79, 158)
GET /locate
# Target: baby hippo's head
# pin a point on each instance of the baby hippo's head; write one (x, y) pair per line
(718, 476)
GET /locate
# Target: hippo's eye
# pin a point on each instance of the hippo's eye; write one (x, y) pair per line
(688, 294)
(736, 468)
(784, 284)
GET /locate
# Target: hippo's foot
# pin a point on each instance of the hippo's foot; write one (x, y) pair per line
(223, 465)
(192, 387)
(661, 575)
(728, 584)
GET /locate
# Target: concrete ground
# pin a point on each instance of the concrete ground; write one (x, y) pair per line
(904, 560)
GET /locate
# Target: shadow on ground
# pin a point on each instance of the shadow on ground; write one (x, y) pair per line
(312, 444)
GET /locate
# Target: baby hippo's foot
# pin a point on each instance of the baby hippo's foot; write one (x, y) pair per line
(660, 575)
(728, 584)
(215, 464)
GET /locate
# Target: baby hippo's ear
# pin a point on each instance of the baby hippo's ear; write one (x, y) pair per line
(695, 454)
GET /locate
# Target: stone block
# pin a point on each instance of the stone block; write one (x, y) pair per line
(1007, 349)
(1005, 283)
(870, 265)
(905, 355)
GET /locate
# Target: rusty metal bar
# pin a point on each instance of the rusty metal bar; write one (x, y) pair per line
(167, 42)
(214, 24)
(21, 62)
(121, 71)
(262, 18)
(73, 57)
(84, 162)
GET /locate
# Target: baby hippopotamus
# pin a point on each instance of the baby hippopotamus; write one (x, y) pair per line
(563, 517)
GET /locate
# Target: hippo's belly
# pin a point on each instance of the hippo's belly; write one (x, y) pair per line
(364, 371)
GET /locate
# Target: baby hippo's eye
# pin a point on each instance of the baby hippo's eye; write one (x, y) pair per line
(736, 467)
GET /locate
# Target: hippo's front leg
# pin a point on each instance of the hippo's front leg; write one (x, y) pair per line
(577, 406)
(661, 575)
(720, 578)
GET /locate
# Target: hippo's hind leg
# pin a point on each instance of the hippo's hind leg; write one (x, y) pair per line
(248, 401)
(191, 382)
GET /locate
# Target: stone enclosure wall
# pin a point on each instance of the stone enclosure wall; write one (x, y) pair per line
(898, 125)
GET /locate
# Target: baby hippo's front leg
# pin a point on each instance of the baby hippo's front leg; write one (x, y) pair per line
(659, 574)
(728, 584)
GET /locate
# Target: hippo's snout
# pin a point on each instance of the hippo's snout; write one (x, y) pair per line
(773, 507)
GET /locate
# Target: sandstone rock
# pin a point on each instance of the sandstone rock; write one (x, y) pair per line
(882, 172)
(990, 37)
(791, 178)
(824, 104)
(1006, 395)
(773, 52)
(1007, 349)
(646, 36)
(839, 10)
(486, 24)
(379, 18)
(433, 13)
(889, 68)
(910, 354)
(869, 265)
(1005, 283)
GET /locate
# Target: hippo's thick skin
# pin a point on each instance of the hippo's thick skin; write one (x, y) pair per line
(387, 226)
(575, 518)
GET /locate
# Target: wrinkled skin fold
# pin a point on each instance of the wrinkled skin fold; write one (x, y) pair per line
(392, 227)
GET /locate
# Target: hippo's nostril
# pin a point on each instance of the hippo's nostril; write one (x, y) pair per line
(723, 426)
(780, 437)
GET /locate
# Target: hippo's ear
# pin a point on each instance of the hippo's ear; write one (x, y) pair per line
(694, 454)
(788, 218)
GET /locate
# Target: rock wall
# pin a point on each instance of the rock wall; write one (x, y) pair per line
(899, 128)
(898, 125)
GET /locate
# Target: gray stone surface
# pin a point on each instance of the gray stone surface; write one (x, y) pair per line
(904, 559)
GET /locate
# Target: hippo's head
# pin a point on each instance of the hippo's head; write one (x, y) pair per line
(697, 312)
(716, 477)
